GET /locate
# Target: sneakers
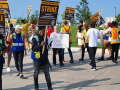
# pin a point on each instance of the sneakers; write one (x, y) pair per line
(93, 68)
(18, 74)
(71, 61)
(61, 65)
(8, 69)
(36, 88)
(28, 49)
(115, 62)
(101, 59)
(110, 58)
(90, 65)
(81, 60)
(21, 76)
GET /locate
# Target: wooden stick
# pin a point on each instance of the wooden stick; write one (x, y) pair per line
(44, 38)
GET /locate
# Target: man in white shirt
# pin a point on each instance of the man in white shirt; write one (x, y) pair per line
(93, 34)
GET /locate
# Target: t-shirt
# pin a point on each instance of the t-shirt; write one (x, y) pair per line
(18, 35)
(80, 28)
(93, 34)
(50, 30)
(25, 28)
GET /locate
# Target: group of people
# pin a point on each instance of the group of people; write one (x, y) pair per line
(17, 43)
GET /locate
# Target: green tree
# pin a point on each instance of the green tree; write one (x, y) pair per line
(63, 15)
(35, 15)
(117, 18)
(83, 12)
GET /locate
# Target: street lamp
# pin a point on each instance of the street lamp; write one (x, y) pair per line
(115, 11)
(22, 15)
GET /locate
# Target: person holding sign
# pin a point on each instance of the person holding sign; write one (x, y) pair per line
(40, 60)
(84, 32)
(106, 43)
(56, 49)
(66, 30)
(3, 50)
(80, 29)
(115, 33)
(93, 34)
(25, 32)
(18, 48)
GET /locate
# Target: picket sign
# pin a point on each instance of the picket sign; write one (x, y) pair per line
(79, 40)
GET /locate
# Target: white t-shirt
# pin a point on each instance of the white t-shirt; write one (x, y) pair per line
(93, 34)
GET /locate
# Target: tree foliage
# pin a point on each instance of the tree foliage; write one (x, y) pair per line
(118, 18)
(83, 12)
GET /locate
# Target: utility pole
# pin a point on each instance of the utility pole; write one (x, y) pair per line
(115, 11)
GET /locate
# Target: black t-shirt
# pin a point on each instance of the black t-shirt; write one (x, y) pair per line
(18, 35)
(80, 28)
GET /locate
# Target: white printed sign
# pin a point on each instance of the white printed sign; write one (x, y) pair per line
(60, 41)
(80, 40)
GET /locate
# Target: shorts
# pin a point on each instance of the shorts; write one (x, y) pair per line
(9, 51)
(106, 37)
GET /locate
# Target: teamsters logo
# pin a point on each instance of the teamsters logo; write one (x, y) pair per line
(53, 22)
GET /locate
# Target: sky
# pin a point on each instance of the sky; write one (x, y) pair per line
(18, 8)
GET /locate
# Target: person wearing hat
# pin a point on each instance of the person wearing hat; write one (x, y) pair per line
(25, 32)
(18, 48)
(3, 50)
(40, 60)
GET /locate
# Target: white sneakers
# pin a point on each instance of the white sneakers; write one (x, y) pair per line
(8, 69)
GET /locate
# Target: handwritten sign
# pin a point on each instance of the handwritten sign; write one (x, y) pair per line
(48, 13)
(2, 22)
(80, 40)
(60, 41)
(13, 21)
(69, 13)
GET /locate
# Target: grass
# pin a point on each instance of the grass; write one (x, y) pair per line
(74, 32)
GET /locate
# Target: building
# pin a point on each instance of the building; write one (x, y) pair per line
(109, 19)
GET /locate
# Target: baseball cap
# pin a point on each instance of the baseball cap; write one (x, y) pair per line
(18, 26)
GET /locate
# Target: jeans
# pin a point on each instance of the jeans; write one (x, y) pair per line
(92, 55)
(83, 51)
(18, 56)
(54, 56)
(1, 68)
(115, 49)
(69, 50)
(45, 66)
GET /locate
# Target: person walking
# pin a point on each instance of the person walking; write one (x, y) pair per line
(40, 60)
(84, 32)
(56, 49)
(114, 33)
(9, 48)
(93, 34)
(66, 30)
(106, 43)
(18, 48)
(3, 50)
(80, 29)
(25, 32)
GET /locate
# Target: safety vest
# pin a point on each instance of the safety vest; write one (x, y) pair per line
(115, 38)
(36, 55)
(85, 33)
(18, 45)
(64, 31)
(1, 42)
